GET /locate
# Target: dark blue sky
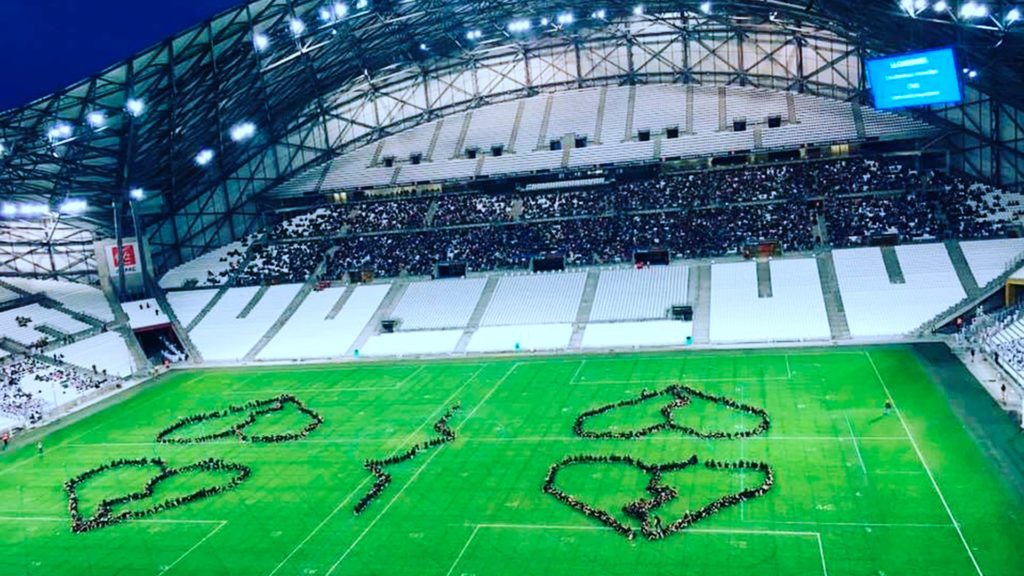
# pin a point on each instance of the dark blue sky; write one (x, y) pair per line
(46, 45)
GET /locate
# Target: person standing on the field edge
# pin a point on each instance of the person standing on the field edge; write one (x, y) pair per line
(6, 438)
(1002, 389)
(888, 407)
(39, 447)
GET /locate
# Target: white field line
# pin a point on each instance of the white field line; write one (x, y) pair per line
(855, 445)
(853, 524)
(789, 370)
(192, 549)
(416, 475)
(576, 374)
(141, 521)
(476, 529)
(683, 379)
(928, 470)
(358, 488)
(396, 386)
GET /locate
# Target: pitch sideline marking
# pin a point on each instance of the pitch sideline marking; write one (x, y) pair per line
(576, 374)
(417, 473)
(928, 470)
(477, 527)
(398, 385)
(222, 524)
(367, 479)
(855, 445)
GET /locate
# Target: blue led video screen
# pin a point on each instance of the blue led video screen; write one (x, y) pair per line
(916, 79)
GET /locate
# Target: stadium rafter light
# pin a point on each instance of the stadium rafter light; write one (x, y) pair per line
(137, 194)
(59, 131)
(360, 4)
(135, 107)
(33, 209)
(544, 21)
(97, 119)
(204, 157)
(973, 10)
(598, 14)
(260, 41)
(9, 210)
(3, 149)
(705, 7)
(920, 5)
(638, 10)
(424, 47)
(908, 7)
(242, 131)
(972, 74)
(297, 26)
(565, 18)
(75, 206)
(340, 10)
(474, 35)
(519, 25)
(940, 6)
(1013, 15)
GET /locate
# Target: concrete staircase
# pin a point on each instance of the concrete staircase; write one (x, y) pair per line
(428, 218)
(702, 304)
(764, 279)
(179, 330)
(336, 309)
(253, 302)
(834, 309)
(206, 309)
(963, 269)
(583, 312)
(289, 311)
(384, 311)
(892, 265)
(542, 138)
(478, 314)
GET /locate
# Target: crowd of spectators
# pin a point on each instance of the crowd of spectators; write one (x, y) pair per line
(693, 215)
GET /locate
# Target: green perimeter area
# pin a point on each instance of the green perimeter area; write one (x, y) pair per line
(856, 492)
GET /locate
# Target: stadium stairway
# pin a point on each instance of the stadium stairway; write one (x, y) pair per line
(206, 309)
(384, 311)
(834, 309)
(478, 314)
(963, 269)
(253, 302)
(583, 312)
(892, 265)
(289, 311)
(702, 304)
(764, 279)
(122, 325)
(336, 309)
(179, 330)
(974, 297)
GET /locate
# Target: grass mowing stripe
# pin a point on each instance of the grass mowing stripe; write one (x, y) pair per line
(920, 456)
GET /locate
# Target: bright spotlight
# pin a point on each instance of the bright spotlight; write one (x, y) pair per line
(135, 107)
(340, 10)
(599, 14)
(544, 21)
(972, 74)
(423, 47)
(9, 210)
(33, 209)
(638, 10)
(1013, 15)
(362, 4)
(940, 6)
(474, 35)
(74, 206)
(705, 7)
(242, 131)
(137, 194)
(519, 26)
(96, 119)
(920, 5)
(296, 26)
(260, 41)
(3, 149)
(204, 157)
(907, 6)
(60, 131)
(565, 18)
(973, 10)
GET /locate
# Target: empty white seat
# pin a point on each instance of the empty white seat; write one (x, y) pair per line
(535, 299)
(631, 294)
(438, 303)
(222, 335)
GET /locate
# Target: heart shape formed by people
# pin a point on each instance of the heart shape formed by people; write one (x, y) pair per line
(253, 410)
(106, 515)
(679, 396)
(652, 526)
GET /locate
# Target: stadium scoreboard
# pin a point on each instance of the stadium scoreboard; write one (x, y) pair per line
(915, 79)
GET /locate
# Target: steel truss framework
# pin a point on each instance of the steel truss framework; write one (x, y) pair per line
(345, 82)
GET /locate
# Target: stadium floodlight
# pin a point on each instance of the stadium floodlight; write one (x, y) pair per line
(242, 131)
(519, 26)
(705, 7)
(598, 14)
(474, 35)
(973, 10)
(260, 41)
(544, 21)
(3, 149)
(297, 26)
(638, 10)
(920, 5)
(908, 7)
(59, 131)
(1012, 16)
(9, 210)
(204, 157)
(33, 209)
(326, 15)
(97, 119)
(423, 47)
(972, 74)
(73, 206)
(137, 194)
(362, 4)
(565, 18)
(340, 10)
(135, 107)
(940, 6)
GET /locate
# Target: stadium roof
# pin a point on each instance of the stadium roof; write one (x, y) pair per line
(184, 116)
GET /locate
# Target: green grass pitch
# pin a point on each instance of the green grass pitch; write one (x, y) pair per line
(856, 492)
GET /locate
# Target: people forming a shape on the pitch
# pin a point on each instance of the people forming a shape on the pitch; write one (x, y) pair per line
(254, 410)
(652, 526)
(681, 396)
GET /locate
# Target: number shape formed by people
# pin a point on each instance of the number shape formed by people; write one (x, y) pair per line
(237, 420)
(206, 478)
(677, 397)
(646, 516)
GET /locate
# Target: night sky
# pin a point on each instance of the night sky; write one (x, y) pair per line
(47, 45)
